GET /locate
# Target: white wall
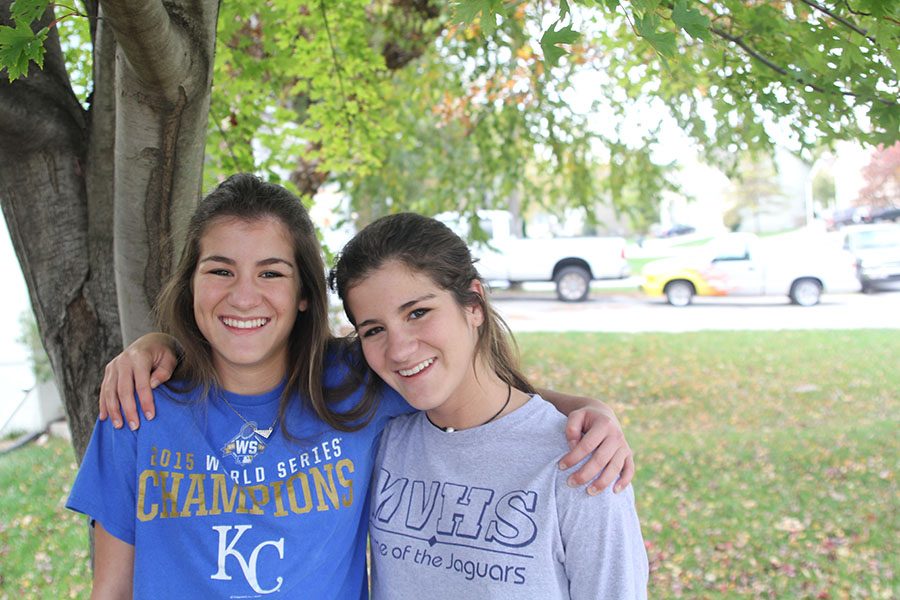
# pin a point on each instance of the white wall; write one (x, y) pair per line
(37, 409)
(15, 372)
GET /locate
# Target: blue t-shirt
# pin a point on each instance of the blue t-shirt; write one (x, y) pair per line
(216, 510)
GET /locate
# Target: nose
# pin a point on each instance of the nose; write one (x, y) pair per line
(401, 346)
(244, 294)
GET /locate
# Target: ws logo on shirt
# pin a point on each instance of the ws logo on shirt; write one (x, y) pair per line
(246, 445)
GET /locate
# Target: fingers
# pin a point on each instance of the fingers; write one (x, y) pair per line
(600, 455)
(611, 471)
(163, 368)
(601, 430)
(575, 424)
(146, 381)
(125, 396)
(610, 457)
(109, 406)
(627, 474)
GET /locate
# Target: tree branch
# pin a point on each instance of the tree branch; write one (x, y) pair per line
(60, 118)
(154, 46)
(861, 13)
(738, 41)
(840, 19)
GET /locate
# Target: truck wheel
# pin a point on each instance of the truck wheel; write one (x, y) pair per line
(679, 293)
(572, 284)
(806, 292)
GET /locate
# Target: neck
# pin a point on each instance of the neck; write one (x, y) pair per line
(249, 381)
(483, 400)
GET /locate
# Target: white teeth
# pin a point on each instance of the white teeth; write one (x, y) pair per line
(250, 324)
(417, 368)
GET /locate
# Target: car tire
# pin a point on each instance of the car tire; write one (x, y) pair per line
(806, 292)
(573, 284)
(679, 293)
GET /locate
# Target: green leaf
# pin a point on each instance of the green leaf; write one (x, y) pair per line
(467, 10)
(691, 20)
(564, 9)
(646, 6)
(552, 37)
(851, 57)
(662, 41)
(24, 12)
(888, 118)
(19, 46)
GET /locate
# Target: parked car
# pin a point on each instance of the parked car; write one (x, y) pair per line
(876, 248)
(676, 230)
(886, 214)
(569, 262)
(740, 264)
(849, 216)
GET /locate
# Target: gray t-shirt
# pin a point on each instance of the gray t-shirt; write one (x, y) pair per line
(486, 513)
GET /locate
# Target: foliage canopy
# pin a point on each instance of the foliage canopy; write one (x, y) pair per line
(411, 105)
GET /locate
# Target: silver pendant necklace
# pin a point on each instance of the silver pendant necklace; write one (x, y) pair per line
(252, 424)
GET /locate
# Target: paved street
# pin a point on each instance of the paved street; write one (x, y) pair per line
(631, 312)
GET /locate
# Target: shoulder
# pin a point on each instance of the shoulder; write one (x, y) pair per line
(401, 425)
(392, 404)
(574, 501)
(544, 426)
(175, 397)
(343, 362)
(177, 392)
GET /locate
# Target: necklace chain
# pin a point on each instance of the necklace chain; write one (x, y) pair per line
(497, 414)
(263, 432)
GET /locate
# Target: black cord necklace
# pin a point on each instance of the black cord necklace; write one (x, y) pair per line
(502, 408)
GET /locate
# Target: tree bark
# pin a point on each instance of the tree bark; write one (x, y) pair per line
(93, 198)
(163, 80)
(44, 196)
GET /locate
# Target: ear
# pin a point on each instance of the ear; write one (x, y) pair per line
(475, 312)
(303, 305)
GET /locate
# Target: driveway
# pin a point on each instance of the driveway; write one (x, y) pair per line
(633, 312)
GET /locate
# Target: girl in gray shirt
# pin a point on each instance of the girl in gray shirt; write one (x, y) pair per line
(467, 501)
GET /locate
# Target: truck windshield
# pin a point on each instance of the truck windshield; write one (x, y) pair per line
(880, 238)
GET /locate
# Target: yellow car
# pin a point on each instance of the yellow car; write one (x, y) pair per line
(679, 283)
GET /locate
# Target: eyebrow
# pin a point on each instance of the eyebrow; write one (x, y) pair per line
(402, 307)
(261, 263)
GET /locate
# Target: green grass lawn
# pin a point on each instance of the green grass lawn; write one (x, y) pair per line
(43, 547)
(767, 461)
(767, 464)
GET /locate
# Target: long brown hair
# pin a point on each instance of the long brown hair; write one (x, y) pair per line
(427, 246)
(246, 197)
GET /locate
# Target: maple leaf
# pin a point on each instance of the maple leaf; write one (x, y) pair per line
(24, 12)
(552, 37)
(467, 10)
(19, 46)
(691, 20)
(662, 41)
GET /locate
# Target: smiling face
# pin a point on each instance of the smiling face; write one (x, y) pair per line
(416, 337)
(246, 289)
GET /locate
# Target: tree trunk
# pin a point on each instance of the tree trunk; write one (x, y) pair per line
(92, 198)
(163, 78)
(43, 156)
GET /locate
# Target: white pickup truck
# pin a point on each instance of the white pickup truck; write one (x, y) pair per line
(570, 262)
